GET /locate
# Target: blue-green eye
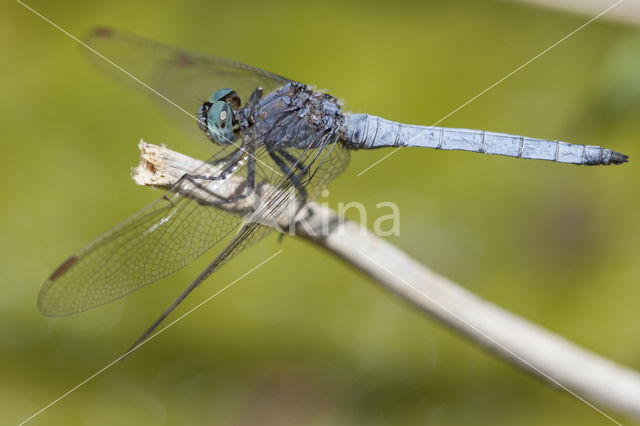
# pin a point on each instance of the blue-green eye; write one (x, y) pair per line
(227, 95)
(220, 122)
(219, 94)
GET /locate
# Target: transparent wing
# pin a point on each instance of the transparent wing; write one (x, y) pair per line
(311, 170)
(158, 240)
(317, 167)
(174, 230)
(186, 78)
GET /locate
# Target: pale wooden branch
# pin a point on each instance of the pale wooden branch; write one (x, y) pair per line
(627, 11)
(528, 346)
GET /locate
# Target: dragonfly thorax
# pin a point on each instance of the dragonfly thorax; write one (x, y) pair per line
(292, 116)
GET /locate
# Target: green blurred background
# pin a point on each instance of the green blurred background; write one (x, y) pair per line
(306, 339)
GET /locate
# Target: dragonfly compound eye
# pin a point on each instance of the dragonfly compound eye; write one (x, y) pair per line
(219, 94)
(227, 95)
(220, 122)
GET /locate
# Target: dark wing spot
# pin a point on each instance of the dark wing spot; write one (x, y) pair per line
(183, 60)
(102, 32)
(63, 268)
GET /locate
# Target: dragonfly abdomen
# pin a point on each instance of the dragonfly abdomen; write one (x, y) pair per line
(364, 131)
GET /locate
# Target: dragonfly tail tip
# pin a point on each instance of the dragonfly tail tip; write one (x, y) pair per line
(617, 158)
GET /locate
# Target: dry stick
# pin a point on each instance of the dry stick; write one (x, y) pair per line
(585, 375)
(626, 11)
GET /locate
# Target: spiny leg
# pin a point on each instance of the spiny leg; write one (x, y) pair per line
(251, 167)
(293, 178)
(249, 183)
(231, 160)
(221, 201)
(293, 160)
(304, 169)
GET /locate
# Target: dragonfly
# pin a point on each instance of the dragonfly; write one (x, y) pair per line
(271, 132)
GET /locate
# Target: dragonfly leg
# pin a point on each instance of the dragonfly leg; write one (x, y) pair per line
(295, 162)
(304, 177)
(291, 175)
(243, 190)
(231, 160)
(207, 191)
(249, 184)
(251, 168)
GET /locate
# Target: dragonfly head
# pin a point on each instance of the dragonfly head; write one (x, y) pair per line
(216, 116)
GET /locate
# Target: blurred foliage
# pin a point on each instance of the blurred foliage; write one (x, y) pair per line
(305, 339)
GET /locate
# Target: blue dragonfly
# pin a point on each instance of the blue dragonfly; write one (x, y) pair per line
(284, 135)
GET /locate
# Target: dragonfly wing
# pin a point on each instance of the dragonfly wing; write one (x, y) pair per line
(179, 227)
(185, 78)
(173, 231)
(306, 171)
(157, 241)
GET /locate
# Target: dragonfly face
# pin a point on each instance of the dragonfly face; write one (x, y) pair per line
(216, 116)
